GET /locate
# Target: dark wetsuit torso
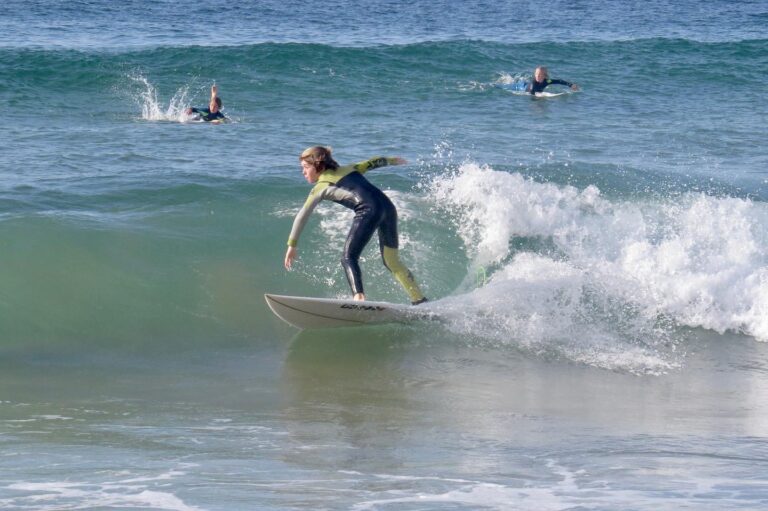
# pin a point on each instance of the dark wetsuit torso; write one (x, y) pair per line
(206, 115)
(535, 86)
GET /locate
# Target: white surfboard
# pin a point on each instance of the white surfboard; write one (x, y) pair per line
(303, 312)
(545, 94)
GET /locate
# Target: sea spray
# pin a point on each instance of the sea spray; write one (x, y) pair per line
(699, 261)
(146, 97)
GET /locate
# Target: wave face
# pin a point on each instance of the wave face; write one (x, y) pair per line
(550, 268)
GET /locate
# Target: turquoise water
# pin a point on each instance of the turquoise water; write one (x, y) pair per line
(599, 257)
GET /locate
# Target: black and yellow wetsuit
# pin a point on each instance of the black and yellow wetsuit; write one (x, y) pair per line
(535, 86)
(373, 211)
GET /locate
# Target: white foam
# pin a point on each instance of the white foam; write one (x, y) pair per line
(52, 417)
(518, 81)
(153, 110)
(482, 496)
(566, 494)
(565, 488)
(605, 275)
(61, 495)
(518, 494)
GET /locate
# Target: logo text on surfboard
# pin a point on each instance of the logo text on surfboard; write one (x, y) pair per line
(363, 307)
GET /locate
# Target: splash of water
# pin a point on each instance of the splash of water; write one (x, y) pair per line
(611, 283)
(151, 108)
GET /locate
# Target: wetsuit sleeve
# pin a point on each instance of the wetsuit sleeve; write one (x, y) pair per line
(540, 86)
(314, 198)
(560, 82)
(374, 163)
(194, 110)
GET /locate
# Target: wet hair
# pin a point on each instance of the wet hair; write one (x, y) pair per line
(317, 155)
(218, 101)
(543, 70)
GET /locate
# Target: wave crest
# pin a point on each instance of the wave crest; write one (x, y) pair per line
(568, 263)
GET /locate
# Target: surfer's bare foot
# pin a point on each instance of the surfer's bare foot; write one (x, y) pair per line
(359, 297)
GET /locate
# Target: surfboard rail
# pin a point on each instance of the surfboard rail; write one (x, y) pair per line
(309, 313)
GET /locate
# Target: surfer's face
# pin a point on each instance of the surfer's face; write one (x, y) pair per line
(310, 172)
(540, 74)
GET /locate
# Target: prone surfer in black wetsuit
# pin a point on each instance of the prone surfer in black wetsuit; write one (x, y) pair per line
(373, 212)
(541, 80)
(213, 112)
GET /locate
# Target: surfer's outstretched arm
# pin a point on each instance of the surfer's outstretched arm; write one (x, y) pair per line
(573, 86)
(378, 161)
(214, 105)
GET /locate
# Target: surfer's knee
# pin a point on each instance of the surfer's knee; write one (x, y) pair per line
(348, 260)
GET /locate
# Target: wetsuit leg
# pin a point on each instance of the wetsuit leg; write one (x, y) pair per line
(388, 243)
(363, 227)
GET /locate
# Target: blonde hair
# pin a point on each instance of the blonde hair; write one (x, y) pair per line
(318, 155)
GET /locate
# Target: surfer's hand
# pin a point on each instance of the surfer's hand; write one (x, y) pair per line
(574, 87)
(398, 161)
(290, 255)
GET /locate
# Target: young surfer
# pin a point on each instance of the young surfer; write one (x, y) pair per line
(373, 211)
(213, 112)
(541, 80)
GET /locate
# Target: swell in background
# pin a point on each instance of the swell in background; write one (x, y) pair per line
(665, 106)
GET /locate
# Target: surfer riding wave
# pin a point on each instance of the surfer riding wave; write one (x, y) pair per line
(373, 212)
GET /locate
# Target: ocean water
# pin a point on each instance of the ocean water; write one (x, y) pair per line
(600, 257)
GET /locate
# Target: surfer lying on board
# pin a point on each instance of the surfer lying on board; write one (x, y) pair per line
(373, 211)
(213, 112)
(541, 80)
